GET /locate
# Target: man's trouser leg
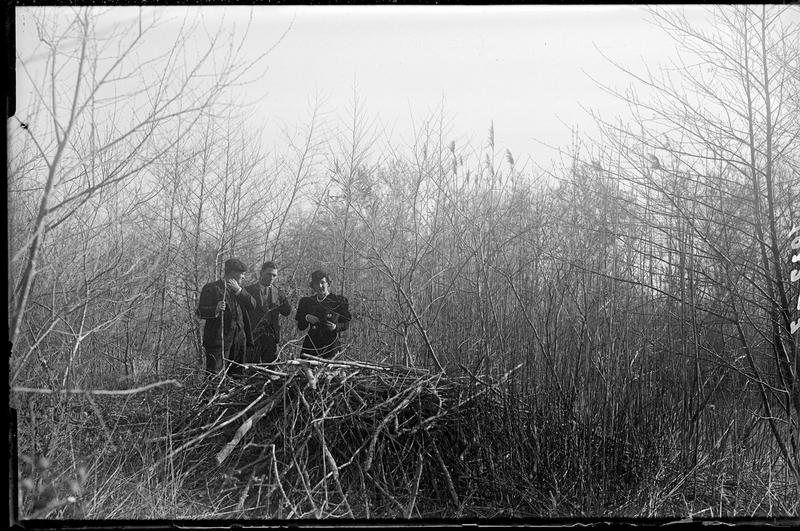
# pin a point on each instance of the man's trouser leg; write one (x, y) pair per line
(214, 362)
(237, 353)
(265, 349)
(269, 349)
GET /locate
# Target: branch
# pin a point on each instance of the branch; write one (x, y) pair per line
(121, 392)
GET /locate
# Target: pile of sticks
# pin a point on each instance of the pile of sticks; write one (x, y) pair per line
(315, 438)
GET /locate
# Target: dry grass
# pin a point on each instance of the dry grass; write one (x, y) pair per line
(310, 439)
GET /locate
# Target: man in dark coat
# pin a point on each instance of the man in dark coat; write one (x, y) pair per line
(223, 305)
(267, 302)
(325, 314)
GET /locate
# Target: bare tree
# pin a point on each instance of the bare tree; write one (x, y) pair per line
(105, 109)
(714, 139)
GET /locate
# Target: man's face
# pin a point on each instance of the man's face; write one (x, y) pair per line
(238, 276)
(268, 275)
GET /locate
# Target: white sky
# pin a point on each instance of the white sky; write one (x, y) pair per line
(526, 68)
(523, 67)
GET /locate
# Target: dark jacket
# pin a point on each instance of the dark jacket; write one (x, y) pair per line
(320, 341)
(235, 317)
(264, 313)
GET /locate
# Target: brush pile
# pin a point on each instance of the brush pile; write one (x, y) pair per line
(314, 438)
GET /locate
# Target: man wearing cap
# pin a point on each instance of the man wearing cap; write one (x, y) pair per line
(325, 314)
(267, 302)
(223, 304)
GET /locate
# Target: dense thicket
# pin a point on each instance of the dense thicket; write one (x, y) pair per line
(643, 284)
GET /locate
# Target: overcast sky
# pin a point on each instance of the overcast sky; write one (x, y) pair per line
(525, 68)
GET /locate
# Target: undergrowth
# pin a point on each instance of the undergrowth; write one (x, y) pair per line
(493, 454)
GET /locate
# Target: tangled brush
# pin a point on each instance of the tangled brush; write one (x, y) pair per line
(315, 438)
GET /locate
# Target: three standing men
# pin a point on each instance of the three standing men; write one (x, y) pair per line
(243, 324)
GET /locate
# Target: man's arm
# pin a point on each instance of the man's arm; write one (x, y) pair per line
(246, 298)
(343, 309)
(300, 316)
(283, 308)
(207, 305)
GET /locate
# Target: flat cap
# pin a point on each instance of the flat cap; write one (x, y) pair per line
(234, 264)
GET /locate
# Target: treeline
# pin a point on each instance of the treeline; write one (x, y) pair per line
(643, 283)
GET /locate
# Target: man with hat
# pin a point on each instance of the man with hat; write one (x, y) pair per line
(325, 314)
(267, 302)
(223, 305)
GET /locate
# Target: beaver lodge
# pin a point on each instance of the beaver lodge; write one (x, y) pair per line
(315, 438)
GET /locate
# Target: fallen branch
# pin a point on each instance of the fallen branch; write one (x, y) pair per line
(105, 392)
(245, 427)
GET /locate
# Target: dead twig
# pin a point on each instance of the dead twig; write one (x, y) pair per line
(450, 488)
(106, 392)
(410, 508)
